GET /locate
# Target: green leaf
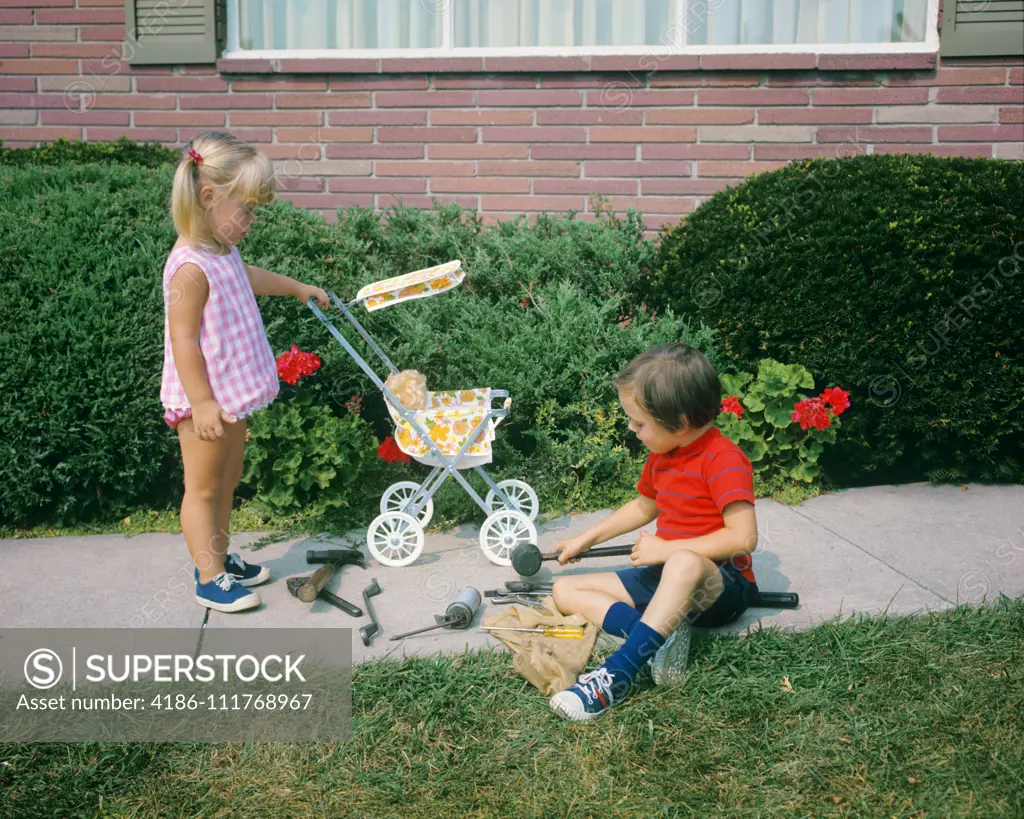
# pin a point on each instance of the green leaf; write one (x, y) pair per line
(754, 449)
(807, 472)
(282, 497)
(812, 450)
(782, 380)
(779, 412)
(288, 463)
(734, 384)
(752, 401)
(733, 428)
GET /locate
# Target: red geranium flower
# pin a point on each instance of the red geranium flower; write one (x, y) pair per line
(811, 412)
(836, 398)
(294, 364)
(732, 404)
(389, 451)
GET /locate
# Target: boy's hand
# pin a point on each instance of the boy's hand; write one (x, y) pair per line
(648, 550)
(570, 547)
(306, 292)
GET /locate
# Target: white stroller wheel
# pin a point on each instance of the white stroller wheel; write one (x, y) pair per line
(502, 532)
(395, 539)
(398, 495)
(520, 493)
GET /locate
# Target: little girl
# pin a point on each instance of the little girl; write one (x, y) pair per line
(218, 365)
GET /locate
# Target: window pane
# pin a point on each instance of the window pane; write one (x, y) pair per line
(787, 22)
(347, 24)
(565, 23)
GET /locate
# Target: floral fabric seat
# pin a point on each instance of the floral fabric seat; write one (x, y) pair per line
(450, 418)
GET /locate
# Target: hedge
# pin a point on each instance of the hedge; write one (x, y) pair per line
(121, 152)
(541, 313)
(894, 277)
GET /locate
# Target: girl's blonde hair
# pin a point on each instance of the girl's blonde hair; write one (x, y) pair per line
(227, 165)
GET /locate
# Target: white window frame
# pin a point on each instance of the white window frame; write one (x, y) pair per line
(447, 51)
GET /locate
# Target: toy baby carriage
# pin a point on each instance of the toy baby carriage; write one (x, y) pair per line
(454, 431)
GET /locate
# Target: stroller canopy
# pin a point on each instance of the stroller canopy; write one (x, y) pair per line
(417, 285)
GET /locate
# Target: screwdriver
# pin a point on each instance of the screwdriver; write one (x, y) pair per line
(572, 632)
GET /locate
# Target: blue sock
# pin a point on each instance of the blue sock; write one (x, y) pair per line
(642, 643)
(620, 619)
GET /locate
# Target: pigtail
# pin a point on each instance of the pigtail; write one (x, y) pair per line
(186, 209)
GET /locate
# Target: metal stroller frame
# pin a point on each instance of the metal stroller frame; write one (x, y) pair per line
(395, 537)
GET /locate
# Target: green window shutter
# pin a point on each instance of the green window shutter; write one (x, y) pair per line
(982, 28)
(161, 33)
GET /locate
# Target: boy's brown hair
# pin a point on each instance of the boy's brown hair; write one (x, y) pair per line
(675, 384)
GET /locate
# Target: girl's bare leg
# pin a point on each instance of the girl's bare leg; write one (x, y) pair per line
(201, 508)
(234, 459)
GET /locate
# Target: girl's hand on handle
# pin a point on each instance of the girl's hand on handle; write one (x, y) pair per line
(209, 418)
(309, 291)
(570, 547)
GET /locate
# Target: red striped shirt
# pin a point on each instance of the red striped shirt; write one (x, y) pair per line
(692, 485)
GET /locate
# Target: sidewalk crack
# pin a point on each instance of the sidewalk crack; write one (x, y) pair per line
(859, 548)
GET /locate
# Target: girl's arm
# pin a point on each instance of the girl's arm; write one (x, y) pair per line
(189, 291)
(265, 283)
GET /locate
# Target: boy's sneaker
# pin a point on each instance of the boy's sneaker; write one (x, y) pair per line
(669, 664)
(224, 594)
(591, 696)
(245, 574)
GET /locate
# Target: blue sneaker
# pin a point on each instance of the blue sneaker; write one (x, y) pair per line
(248, 574)
(594, 694)
(224, 594)
(245, 574)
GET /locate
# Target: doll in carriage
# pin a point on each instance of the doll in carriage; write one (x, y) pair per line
(449, 431)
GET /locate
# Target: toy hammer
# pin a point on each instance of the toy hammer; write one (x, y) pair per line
(332, 559)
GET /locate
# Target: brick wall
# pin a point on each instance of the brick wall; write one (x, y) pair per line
(503, 135)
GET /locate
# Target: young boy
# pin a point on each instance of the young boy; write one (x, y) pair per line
(697, 569)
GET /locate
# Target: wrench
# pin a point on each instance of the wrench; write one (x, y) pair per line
(367, 631)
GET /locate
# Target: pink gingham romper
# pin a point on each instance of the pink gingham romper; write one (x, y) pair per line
(240, 365)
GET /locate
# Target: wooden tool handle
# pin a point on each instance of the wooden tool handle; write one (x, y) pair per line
(309, 592)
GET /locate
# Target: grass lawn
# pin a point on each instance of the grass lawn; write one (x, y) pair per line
(871, 717)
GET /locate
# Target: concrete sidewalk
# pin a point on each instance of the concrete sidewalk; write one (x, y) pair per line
(903, 549)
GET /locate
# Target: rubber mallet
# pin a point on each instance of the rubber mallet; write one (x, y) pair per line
(527, 558)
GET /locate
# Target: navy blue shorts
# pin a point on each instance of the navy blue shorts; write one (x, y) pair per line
(737, 592)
